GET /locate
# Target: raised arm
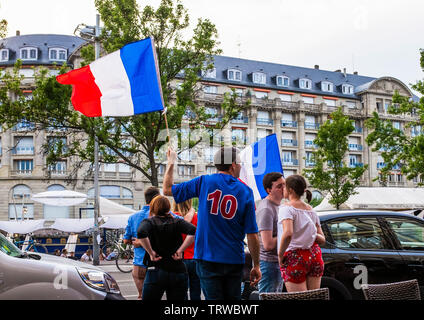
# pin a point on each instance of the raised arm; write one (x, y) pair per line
(168, 179)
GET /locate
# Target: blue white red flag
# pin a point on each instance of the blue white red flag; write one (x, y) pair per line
(257, 160)
(123, 83)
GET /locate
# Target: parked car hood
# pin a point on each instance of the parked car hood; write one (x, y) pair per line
(61, 260)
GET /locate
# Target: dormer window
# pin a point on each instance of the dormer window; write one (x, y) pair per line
(57, 54)
(326, 86)
(347, 89)
(4, 55)
(29, 53)
(234, 74)
(282, 81)
(305, 84)
(259, 77)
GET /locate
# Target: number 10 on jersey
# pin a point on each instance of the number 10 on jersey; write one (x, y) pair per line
(226, 205)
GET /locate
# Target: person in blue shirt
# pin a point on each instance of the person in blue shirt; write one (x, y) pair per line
(139, 269)
(226, 214)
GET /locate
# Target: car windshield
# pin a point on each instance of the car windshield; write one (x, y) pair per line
(9, 248)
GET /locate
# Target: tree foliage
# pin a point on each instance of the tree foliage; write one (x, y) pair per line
(3, 28)
(330, 172)
(397, 147)
(134, 140)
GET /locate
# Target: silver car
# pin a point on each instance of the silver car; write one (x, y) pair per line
(27, 275)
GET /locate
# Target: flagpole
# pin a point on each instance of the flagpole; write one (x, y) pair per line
(166, 124)
(96, 247)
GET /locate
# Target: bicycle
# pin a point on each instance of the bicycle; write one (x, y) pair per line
(125, 258)
(31, 246)
(124, 255)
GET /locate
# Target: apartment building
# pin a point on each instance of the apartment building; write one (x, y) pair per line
(290, 101)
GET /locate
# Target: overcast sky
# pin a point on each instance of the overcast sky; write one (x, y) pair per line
(374, 37)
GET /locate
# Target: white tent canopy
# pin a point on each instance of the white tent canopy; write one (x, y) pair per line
(73, 225)
(111, 208)
(21, 227)
(62, 198)
(383, 198)
(116, 222)
(115, 215)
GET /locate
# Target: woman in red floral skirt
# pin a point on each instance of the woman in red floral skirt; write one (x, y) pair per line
(299, 236)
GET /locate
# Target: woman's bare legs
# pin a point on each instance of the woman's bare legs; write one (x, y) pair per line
(295, 287)
(313, 283)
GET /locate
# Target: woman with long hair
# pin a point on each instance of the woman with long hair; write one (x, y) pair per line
(160, 236)
(299, 236)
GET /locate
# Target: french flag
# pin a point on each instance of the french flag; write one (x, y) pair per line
(123, 83)
(257, 160)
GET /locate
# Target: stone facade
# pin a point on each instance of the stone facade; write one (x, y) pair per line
(294, 114)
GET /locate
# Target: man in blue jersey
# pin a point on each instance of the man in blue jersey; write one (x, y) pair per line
(130, 236)
(226, 214)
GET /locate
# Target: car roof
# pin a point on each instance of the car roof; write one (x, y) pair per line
(332, 214)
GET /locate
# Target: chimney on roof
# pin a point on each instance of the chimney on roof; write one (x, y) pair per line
(316, 66)
(18, 33)
(344, 72)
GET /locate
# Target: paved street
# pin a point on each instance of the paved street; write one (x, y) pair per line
(125, 280)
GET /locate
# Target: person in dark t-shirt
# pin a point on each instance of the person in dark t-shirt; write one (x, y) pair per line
(161, 237)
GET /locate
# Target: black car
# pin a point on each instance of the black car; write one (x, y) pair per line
(370, 247)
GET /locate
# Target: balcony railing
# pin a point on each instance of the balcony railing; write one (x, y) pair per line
(290, 162)
(309, 163)
(356, 165)
(310, 144)
(381, 165)
(58, 172)
(23, 150)
(288, 124)
(21, 172)
(355, 147)
(241, 120)
(312, 106)
(264, 121)
(287, 104)
(289, 142)
(214, 119)
(311, 125)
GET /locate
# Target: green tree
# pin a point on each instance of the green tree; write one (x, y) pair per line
(3, 28)
(330, 172)
(397, 147)
(134, 140)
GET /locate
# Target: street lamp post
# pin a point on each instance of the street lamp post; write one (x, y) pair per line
(93, 33)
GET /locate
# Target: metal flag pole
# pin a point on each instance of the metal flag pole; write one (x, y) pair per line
(96, 247)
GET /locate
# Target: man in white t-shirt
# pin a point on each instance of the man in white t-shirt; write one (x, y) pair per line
(87, 256)
(267, 218)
